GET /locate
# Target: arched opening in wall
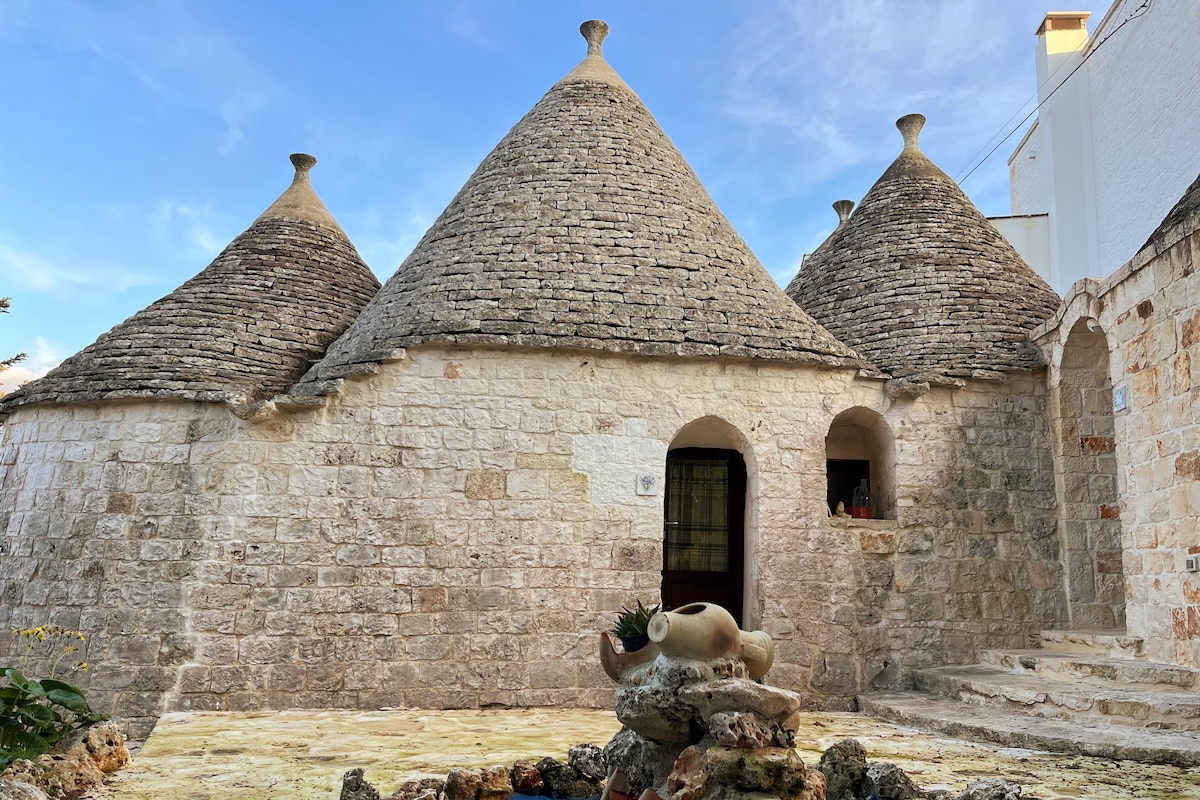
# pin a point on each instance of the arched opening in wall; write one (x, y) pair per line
(704, 517)
(1086, 483)
(860, 457)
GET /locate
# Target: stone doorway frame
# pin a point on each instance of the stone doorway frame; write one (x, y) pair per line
(1085, 476)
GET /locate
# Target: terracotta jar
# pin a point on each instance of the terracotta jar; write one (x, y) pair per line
(705, 631)
(757, 652)
(697, 630)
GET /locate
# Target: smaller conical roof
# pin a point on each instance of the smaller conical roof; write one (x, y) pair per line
(920, 283)
(1185, 210)
(584, 228)
(242, 330)
(843, 209)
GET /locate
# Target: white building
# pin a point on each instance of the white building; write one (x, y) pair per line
(1115, 141)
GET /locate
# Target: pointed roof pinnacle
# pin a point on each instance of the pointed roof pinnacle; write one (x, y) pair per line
(594, 67)
(300, 201)
(912, 162)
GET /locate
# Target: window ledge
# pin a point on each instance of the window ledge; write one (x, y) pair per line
(871, 524)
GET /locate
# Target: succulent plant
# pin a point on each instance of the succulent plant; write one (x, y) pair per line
(633, 623)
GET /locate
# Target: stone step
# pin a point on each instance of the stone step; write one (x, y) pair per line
(1101, 670)
(984, 685)
(1113, 644)
(1012, 729)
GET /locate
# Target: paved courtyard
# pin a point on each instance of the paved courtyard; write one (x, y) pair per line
(297, 754)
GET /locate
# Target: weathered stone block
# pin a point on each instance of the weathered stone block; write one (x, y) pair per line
(486, 485)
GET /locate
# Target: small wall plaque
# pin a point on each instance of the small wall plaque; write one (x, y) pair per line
(1120, 398)
(647, 484)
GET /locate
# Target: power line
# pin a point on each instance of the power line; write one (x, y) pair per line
(1032, 96)
(1137, 12)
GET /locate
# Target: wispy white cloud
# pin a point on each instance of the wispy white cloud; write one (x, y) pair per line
(476, 24)
(828, 79)
(196, 226)
(30, 271)
(168, 49)
(235, 110)
(44, 358)
(384, 239)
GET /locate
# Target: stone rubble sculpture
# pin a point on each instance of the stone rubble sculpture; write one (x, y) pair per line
(697, 724)
(77, 766)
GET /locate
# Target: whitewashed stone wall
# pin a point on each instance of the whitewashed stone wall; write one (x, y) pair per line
(454, 531)
(1134, 110)
(1145, 111)
(1027, 178)
(1149, 312)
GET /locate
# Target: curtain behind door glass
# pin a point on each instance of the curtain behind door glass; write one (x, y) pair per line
(697, 529)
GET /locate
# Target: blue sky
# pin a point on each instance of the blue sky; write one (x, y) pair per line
(141, 137)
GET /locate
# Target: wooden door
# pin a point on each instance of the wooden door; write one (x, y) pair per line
(703, 528)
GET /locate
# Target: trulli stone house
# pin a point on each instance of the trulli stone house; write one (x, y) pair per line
(283, 486)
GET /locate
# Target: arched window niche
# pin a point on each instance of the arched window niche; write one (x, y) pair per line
(858, 447)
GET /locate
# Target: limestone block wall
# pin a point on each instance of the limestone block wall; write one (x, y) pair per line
(1149, 314)
(105, 522)
(455, 530)
(970, 562)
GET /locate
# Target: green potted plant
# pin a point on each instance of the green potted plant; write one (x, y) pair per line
(631, 627)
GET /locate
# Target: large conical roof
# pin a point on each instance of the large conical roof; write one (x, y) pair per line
(242, 330)
(584, 228)
(920, 283)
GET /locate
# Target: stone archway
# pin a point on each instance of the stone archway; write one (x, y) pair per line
(1086, 482)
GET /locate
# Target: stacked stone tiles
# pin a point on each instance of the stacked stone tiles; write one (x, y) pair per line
(584, 228)
(242, 330)
(919, 283)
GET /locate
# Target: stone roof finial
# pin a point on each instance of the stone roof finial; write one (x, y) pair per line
(594, 68)
(910, 128)
(843, 209)
(303, 162)
(594, 31)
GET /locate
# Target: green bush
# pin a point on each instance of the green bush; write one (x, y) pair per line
(36, 714)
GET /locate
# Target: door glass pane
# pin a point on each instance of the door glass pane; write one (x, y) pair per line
(697, 515)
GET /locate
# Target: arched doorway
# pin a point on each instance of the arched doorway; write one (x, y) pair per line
(704, 515)
(1086, 478)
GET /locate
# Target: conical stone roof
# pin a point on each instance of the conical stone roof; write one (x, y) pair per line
(920, 283)
(242, 330)
(584, 228)
(1183, 214)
